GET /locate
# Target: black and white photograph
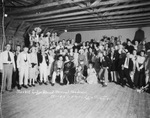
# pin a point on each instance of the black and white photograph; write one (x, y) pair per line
(74, 58)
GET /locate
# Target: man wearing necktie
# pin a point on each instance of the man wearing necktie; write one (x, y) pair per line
(127, 67)
(23, 64)
(8, 63)
(15, 79)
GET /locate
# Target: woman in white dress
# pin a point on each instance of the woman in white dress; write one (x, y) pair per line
(76, 54)
(33, 68)
(91, 78)
(32, 38)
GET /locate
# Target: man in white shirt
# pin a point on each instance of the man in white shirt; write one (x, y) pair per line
(23, 64)
(8, 65)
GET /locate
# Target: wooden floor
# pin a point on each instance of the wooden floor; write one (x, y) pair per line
(76, 101)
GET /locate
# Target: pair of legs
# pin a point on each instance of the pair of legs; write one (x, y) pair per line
(7, 76)
(55, 74)
(125, 74)
(33, 75)
(113, 76)
(103, 75)
(43, 73)
(23, 75)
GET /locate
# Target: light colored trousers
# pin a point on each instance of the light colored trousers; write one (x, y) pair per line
(103, 74)
(55, 74)
(23, 75)
(7, 76)
(43, 72)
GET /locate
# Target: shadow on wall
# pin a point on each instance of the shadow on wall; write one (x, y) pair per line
(139, 35)
(78, 38)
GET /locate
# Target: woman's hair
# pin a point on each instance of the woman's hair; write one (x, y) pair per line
(142, 51)
(91, 63)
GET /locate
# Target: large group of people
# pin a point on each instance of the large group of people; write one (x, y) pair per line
(49, 60)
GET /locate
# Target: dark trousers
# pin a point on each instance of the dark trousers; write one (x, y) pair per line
(125, 74)
(139, 78)
(15, 79)
(0, 79)
(68, 77)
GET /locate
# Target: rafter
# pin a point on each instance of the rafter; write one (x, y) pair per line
(108, 15)
(97, 22)
(100, 24)
(93, 20)
(53, 4)
(85, 12)
(28, 29)
(105, 27)
(8, 24)
(18, 28)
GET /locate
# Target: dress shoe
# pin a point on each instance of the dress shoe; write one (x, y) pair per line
(104, 85)
(25, 86)
(40, 83)
(33, 85)
(61, 84)
(19, 87)
(45, 83)
(52, 84)
(30, 85)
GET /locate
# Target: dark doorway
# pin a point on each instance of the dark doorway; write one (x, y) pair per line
(78, 38)
(139, 35)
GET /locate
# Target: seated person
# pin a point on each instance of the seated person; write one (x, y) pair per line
(92, 77)
(58, 70)
(79, 78)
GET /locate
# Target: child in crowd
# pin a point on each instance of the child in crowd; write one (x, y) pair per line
(92, 76)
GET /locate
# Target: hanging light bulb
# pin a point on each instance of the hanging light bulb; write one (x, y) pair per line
(5, 15)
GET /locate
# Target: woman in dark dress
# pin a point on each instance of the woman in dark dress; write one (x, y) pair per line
(96, 61)
(69, 71)
(113, 66)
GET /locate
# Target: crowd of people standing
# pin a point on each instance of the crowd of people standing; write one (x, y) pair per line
(49, 60)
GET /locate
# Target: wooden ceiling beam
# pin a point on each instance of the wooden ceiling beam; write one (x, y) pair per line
(70, 9)
(28, 29)
(97, 22)
(95, 14)
(8, 24)
(96, 27)
(85, 12)
(109, 16)
(105, 28)
(44, 6)
(94, 20)
(18, 28)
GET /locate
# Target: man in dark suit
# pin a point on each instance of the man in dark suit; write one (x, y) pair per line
(126, 65)
(129, 47)
(15, 79)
